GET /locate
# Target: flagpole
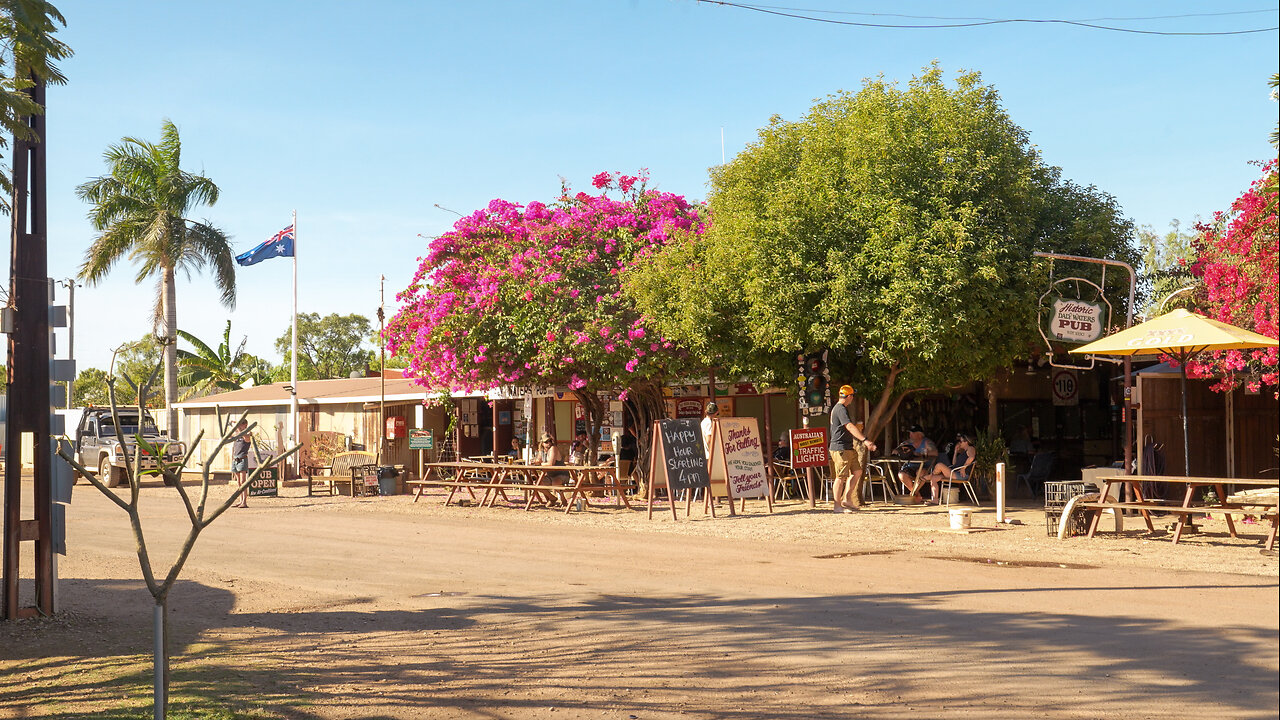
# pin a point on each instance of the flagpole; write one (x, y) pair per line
(293, 355)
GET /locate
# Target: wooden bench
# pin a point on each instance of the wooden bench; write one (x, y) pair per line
(338, 473)
(1265, 509)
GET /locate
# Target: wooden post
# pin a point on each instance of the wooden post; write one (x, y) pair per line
(28, 391)
(1000, 493)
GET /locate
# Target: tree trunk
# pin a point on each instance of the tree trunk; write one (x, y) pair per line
(647, 405)
(160, 658)
(169, 331)
(594, 410)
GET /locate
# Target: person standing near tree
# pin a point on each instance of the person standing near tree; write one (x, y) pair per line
(849, 448)
(240, 461)
(708, 423)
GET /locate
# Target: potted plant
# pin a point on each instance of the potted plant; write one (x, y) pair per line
(991, 449)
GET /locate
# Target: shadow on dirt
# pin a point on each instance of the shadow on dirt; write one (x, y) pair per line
(494, 656)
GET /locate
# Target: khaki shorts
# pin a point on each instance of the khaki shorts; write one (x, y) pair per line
(843, 463)
(860, 450)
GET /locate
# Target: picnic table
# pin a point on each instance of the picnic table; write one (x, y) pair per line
(1263, 507)
(541, 484)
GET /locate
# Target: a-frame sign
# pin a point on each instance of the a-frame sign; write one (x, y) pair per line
(737, 468)
(677, 461)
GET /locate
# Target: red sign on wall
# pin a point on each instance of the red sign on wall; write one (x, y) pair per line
(809, 448)
(395, 427)
(686, 408)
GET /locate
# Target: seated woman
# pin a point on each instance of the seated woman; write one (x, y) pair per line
(549, 454)
(578, 449)
(958, 469)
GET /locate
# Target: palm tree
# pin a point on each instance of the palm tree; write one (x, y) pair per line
(140, 210)
(27, 30)
(207, 368)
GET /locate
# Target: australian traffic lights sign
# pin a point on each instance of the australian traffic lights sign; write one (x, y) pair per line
(814, 383)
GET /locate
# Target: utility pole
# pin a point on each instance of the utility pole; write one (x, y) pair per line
(382, 370)
(29, 356)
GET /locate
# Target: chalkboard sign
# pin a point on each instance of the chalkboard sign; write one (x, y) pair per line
(266, 484)
(677, 460)
(684, 461)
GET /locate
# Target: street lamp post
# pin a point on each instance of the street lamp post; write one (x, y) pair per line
(70, 284)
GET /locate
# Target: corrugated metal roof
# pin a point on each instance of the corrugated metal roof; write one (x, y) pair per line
(315, 392)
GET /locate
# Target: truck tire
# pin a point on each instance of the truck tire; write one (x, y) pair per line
(109, 476)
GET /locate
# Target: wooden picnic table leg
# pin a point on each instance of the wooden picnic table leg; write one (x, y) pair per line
(622, 491)
(1182, 517)
(1222, 500)
(1146, 514)
(1271, 534)
(423, 487)
(1093, 521)
(578, 476)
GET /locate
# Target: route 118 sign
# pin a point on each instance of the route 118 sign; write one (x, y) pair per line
(1075, 321)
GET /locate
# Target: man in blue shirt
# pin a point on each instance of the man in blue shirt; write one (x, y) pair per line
(849, 448)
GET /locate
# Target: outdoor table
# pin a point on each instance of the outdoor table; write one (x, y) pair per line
(1189, 505)
(892, 466)
(496, 479)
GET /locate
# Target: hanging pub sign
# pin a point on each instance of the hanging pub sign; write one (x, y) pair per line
(1075, 321)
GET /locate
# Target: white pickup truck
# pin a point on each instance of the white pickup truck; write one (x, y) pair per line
(98, 445)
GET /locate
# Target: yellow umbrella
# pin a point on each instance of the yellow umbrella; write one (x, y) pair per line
(1182, 335)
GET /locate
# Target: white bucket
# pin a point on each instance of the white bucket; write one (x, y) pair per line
(960, 518)
(951, 496)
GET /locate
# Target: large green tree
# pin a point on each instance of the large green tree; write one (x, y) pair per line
(91, 388)
(329, 347)
(29, 48)
(893, 226)
(140, 210)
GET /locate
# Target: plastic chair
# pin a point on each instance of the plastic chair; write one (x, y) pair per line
(1041, 466)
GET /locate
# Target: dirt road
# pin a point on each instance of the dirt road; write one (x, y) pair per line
(381, 608)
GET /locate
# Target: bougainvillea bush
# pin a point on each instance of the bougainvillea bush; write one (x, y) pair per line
(1235, 258)
(520, 295)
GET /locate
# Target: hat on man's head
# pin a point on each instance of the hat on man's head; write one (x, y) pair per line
(846, 390)
(712, 408)
(915, 428)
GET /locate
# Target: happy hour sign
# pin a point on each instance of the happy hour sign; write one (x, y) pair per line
(683, 461)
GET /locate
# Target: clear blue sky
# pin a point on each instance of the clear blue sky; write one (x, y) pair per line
(362, 116)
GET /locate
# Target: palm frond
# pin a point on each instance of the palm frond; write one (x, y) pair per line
(202, 348)
(110, 246)
(170, 144)
(210, 247)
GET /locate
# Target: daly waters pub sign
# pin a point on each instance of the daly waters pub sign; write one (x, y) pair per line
(1076, 321)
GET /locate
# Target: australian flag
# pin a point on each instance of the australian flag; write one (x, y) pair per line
(280, 245)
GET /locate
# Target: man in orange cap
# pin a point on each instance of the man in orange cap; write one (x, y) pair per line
(849, 448)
